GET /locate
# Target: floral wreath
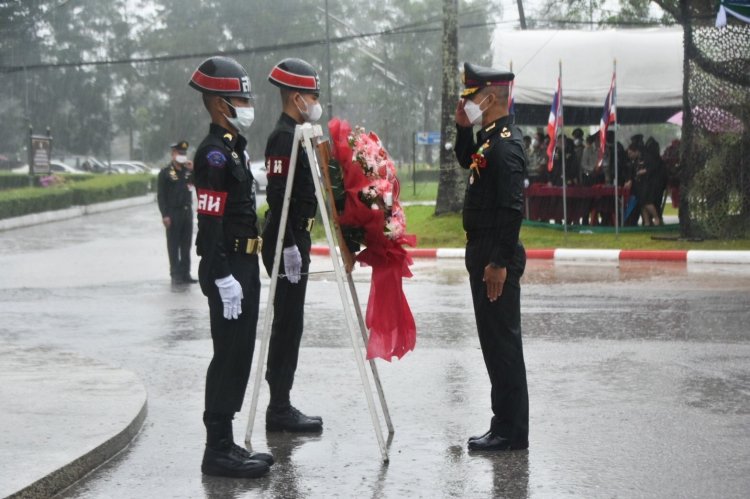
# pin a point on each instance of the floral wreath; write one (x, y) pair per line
(371, 203)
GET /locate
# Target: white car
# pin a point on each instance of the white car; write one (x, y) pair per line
(258, 168)
(131, 167)
(54, 166)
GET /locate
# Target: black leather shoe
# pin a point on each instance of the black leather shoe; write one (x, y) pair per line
(188, 279)
(255, 456)
(227, 463)
(477, 437)
(493, 442)
(291, 419)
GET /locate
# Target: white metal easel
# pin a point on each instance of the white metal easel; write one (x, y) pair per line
(307, 134)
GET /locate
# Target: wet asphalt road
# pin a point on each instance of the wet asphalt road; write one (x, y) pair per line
(639, 375)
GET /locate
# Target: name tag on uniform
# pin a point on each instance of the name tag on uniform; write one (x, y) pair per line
(211, 203)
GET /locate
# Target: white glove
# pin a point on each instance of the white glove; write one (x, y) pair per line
(292, 263)
(231, 296)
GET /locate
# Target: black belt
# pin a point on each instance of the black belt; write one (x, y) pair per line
(246, 246)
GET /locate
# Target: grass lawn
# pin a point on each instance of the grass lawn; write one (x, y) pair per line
(423, 191)
(446, 231)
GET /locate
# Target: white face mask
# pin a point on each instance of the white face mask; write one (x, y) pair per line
(180, 158)
(245, 117)
(474, 111)
(311, 115)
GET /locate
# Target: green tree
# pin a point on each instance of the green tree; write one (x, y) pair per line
(72, 100)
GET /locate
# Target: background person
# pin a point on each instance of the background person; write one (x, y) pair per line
(175, 204)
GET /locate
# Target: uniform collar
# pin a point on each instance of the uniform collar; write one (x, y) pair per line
(288, 120)
(236, 142)
(494, 127)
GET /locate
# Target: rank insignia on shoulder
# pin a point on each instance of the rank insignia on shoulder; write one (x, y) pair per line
(227, 137)
(505, 132)
(216, 159)
(234, 155)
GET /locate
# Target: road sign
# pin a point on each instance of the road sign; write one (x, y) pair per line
(428, 138)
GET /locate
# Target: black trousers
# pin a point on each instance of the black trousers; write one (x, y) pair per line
(179, 238)
(499, 327)
(288, 321)
(233, 339)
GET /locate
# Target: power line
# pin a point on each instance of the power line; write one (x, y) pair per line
(284, 46)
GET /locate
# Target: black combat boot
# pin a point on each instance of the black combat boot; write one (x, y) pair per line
(289, 418)
(221, 457)
(246, 454)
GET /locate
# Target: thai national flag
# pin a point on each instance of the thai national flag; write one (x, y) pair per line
(609, 116)
(554, 124)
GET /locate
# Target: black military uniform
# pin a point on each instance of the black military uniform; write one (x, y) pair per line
(289, 303)
(228, 245)
(492, 218)
(175, 202)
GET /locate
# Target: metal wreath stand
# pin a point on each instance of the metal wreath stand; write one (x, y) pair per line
(309, 134)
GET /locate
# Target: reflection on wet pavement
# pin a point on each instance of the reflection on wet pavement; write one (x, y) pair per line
(638, 375)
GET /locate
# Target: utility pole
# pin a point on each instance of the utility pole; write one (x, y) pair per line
(328, 64)
(521, 15)
(450, 192)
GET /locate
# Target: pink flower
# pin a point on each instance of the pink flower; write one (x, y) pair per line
(381, 187)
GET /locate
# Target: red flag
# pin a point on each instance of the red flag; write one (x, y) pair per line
(609, 116)
(554, 124)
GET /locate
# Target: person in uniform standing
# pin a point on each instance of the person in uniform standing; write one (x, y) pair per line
(495, 258)
(229, 273)
(175, 204)
(300, 88)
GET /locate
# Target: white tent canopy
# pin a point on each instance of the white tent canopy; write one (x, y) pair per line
(649, 65)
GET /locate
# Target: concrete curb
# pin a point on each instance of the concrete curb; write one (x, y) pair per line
(73, 212)
(64, 477)
(593, 255)
(64, 415)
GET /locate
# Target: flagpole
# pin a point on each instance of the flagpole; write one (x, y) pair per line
(562, 127)
(510, 93)
(617, 179)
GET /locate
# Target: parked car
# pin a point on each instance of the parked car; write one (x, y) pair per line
(258, 168)
(54, 166)
(130, 167)
(143, 166)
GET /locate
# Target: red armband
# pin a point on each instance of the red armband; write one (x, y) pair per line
(211, 202)
(277, 166)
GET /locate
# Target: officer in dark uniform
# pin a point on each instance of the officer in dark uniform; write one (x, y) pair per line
(300, 88)
(495, 258)
(175, 204)
(229, 275)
